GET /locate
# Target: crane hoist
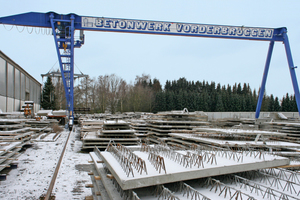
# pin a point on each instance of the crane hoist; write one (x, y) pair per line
(64, 26)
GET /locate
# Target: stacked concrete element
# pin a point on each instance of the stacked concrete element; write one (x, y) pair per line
(141, 128)
(14, 130)
(275, 142)
(117, 131)
(163, 123)
(90, 125)
(291, 128)
(13, 136)
(159, 171)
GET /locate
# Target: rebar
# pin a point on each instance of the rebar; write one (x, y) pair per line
(289, 185)
(124, 162)
(264, 190)
(126, 154)
(165, 193)
(157, 161)
(284, 174)
(189, 191)
(227, 190)
(125, 194)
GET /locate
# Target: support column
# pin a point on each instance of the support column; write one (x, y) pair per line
(292, 69)
(264, 80)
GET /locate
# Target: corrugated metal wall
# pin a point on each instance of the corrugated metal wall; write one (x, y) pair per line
(16, 86)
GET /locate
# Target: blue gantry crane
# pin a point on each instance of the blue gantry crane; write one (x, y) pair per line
(64, 25)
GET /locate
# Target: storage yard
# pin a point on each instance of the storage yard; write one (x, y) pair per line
(168, 155)
(52, 146)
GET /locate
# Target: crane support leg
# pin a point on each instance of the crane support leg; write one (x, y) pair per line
(63, 32)
(264, 80)
(292, 70)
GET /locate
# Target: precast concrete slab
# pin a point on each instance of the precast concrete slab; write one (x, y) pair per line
(235, 143)
(108, 185)
(238, 132)
(215, 163)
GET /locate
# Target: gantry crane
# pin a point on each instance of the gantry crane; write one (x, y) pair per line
(64, 25)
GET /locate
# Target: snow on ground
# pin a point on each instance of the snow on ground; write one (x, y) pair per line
(36, 166)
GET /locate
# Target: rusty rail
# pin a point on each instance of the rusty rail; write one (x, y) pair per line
(49, 192)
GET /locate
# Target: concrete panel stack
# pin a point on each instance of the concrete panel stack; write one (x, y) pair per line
(117, 131)
(164, 123)
(13, 130)
(89, 125)
(141, 128)
(275, 142)
(159, 171)
(13, 136)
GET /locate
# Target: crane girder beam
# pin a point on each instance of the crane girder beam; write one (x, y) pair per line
(35, 19)
(75, 22)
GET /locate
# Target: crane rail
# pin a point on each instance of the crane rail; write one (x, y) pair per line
(48, 194)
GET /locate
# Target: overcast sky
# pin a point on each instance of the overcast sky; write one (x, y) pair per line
(127, 55)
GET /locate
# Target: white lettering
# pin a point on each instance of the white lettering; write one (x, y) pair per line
(254, 32)
(210, 29)
(232, 31)
(217, 30)
(114, 23)
(202, 29)
(151, 26)
(224, 31)
(158, 26)
(107, 23)
(186, 28)
(179, 27)
(122, 24)
(261, 32)
(130, 24)
(99, 22)
(141, 25)
(239, 32)
(194, 29)
(269, 33)
(167, 26)
(247, 32)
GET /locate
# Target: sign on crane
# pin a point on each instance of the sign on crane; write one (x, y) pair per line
(64, 26)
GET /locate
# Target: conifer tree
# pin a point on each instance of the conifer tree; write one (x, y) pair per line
(276, 105)
(294, 107)
(48, 96)
(219, 106)
(285, 105)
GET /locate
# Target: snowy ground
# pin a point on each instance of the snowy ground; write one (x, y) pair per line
(36, 166)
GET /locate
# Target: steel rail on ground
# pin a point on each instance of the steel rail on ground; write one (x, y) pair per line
(48, 194)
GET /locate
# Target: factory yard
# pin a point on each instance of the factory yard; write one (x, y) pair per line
(169, 155)
(36, 165)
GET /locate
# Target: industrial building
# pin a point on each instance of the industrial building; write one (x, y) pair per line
(17, 86)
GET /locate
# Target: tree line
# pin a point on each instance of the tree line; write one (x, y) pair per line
(111, 93)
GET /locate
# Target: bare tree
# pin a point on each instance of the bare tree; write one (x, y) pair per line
(60, 93)
(102, 92)
(123, 91)
(114, 92)
(141, 94)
